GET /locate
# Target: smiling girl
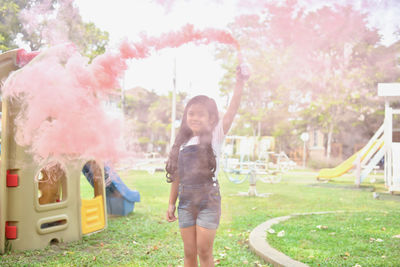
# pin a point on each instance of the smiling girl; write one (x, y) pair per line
(192, 170)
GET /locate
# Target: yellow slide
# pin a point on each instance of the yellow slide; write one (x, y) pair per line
(346, 165)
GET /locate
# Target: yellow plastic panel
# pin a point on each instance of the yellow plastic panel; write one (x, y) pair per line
(92, 212)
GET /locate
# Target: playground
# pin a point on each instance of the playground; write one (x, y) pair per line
(144, 238)
(267, 134)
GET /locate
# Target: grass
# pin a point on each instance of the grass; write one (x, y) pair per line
(342, 239)
(362, 235)
(144, 238)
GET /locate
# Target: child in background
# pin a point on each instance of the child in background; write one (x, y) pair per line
(192, 168)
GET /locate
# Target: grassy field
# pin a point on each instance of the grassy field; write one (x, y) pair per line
(365, 234)
(144, 238)
(342, 239)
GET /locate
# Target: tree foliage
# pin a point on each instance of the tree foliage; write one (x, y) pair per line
(40, 23)
(10, 25)
(148, 118)
(310, 69)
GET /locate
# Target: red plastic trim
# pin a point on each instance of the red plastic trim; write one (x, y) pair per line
(12, 179)
(11, 231)
(24, 57)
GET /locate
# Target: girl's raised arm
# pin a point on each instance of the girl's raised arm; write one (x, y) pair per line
(242, 74)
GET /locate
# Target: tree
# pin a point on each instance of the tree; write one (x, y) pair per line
(342, 84)
(59, 21)
(148, 118)
(262, 91)
(10, 25)
(311, 68)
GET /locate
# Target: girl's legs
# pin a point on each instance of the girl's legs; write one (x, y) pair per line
(189, 245)
(205, 240)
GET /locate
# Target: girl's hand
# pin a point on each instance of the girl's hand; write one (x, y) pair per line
(171, 213)
(243, 72)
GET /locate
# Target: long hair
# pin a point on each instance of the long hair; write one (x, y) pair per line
(185, 133)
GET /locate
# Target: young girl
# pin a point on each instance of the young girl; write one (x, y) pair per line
(192, 168)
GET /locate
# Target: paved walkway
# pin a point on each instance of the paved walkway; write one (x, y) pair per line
(258, 242)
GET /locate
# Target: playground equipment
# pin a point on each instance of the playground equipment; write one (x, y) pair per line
(380, 146)
(364, 160)
(253, 171)
(268, 167)
(249, 146)
(120, 199)
(40, 204)
(391, 94)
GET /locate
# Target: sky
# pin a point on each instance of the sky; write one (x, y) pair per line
(197, 71)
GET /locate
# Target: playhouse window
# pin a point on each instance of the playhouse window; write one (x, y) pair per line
(51, 181)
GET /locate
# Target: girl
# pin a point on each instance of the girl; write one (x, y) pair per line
(192, 168)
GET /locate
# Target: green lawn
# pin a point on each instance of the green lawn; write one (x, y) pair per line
(144, 238)
(342, 239)
(363, 234)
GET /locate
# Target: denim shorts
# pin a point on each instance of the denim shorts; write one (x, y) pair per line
(199, 205)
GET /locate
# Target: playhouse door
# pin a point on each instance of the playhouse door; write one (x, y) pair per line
(93, 210)
(92, 214)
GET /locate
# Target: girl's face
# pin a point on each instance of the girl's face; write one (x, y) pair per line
(198, 119)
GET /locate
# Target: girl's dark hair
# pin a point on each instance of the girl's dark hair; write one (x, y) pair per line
(206, 152)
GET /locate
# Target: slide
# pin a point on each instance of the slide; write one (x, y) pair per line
(346, 165)
(119, 198)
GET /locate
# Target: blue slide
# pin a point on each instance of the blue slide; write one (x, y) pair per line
(120, 199)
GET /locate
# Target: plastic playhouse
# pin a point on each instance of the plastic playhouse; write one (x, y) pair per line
(41, 205)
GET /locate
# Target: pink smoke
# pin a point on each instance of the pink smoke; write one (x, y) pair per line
(187, 34)
(167, 4)
(61, 109)
(60, 96)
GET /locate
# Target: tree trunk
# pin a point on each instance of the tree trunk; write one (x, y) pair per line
(329, 141)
